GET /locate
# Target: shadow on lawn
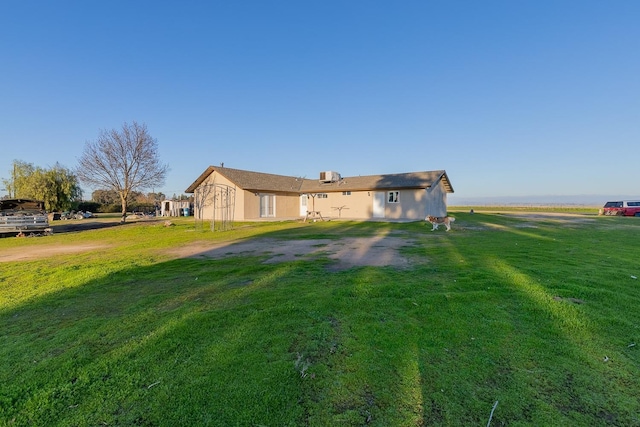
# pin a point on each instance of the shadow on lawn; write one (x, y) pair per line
(74, 226)
(236, 341)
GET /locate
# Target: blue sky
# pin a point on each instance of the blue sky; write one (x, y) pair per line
(511, 98)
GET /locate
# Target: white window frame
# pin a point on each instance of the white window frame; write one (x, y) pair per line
(393, 196)
(268, 209)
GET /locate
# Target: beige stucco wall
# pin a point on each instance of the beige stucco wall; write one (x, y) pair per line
(287, 205)
(205, 209)
(414, 204)
(358, 205)
(246, 204)
(251, 204)
(436, 200)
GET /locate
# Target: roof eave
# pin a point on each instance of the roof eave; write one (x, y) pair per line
(446, 182)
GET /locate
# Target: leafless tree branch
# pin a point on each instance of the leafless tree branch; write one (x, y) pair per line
(122, 160)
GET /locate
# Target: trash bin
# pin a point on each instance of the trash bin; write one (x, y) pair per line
(185, 211)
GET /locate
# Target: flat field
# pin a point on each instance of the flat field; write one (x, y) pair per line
(511, 318)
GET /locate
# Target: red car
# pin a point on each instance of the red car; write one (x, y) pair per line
(624, 207)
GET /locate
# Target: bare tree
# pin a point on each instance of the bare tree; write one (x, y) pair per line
(123, 160)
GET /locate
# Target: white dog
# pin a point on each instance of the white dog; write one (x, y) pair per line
(437, 220)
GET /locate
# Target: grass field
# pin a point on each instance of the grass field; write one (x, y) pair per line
(539, 314)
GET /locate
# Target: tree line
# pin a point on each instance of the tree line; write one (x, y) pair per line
(120, 164)
(57, 186)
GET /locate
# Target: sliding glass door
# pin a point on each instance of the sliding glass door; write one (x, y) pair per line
(267, 205)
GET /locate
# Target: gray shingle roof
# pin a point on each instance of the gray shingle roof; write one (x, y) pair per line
(261, 181)
(252, 181)
(379, 182)
(258, 181)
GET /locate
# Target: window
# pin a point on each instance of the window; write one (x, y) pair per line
(322, 195)
(393, 197)
(346, 193)
(613, 205)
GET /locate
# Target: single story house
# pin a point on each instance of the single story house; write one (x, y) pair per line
(222, 193)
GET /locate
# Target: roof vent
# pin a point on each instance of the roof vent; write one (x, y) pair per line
(329, 176)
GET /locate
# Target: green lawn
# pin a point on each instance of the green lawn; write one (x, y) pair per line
(539, 314)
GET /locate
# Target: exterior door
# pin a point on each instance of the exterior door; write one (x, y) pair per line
(267, 206)
(303, 205)
(378, 204)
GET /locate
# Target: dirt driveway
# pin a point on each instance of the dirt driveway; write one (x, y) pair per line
(39, 252)
(346, 253)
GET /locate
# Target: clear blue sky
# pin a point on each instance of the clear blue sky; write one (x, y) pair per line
(511, 98)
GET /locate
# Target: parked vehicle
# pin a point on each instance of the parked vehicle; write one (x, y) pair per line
(20, 215)
(76, 215)
(68, 215)
(622, 208)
